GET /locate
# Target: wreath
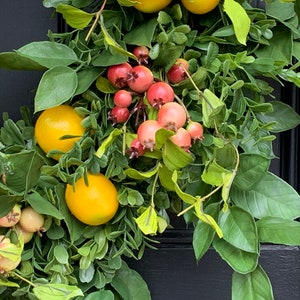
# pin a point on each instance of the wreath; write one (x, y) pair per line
(147, 111)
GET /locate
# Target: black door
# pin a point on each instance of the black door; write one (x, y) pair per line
(171, 271)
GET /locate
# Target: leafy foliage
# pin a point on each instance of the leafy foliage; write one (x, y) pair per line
(222, 187)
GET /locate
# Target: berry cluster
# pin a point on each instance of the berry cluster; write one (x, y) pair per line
(138, 80)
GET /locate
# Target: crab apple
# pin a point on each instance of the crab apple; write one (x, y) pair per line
(27, 236)
(117, 74)
(182, 139)
(119, 114)
(31, 220)
(140, 78)
(7, 264)
(171, 116)
(142, 54)
(146, 133)
(195, 129)
(122, 98)
(177, 72)
(12, 218)
(159, 93)
(136, 149)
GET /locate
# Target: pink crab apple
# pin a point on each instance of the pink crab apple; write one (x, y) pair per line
(12, 218)
(177, 72)
(146, 133)
(140, 78)
(117, 74)
(31, 220)
(182, 139)
(195, 129)
(160, 93)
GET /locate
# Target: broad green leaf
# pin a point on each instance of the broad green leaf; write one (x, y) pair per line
(283, 117)
(142, 34)
(279, 231)
(165, 178)
(214, 174)
(7, 202)
(281, 10)
(111, 42)
(57, 86)
(43, 206)
(254, 285)
(185, 197)
(56, 291)
(49, 54)
(252, 167)
(270, 197)
(203, 233)
(108, 58)
(129, 284)
(174, 157)
(147, 221)
(135, 174)
(240, 261)
(213, 109)
(108, 141)
(103, 295)
(239, 18)
(16, 61)
(75, 17)
(239, 229)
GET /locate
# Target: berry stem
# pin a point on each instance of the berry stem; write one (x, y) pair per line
(24, 279)
(188, 116)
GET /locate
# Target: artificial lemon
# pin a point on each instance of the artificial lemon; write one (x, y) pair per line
(55, 123)
(151, 6)
(93, 204)
(200, 7)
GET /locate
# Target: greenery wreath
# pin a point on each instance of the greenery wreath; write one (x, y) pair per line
(147, 109)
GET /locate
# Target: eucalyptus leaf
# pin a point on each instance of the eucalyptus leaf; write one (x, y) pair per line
(57, 86)
(254, 285)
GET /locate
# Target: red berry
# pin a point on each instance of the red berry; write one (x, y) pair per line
(195, 129)
(171, 116)
(178, 71)
(117, 74)
(140, 78)
(160, 93)
(122, 98)
(136, 148)
(142, 54)
(146, 133)
(119, 114)
(182, 139)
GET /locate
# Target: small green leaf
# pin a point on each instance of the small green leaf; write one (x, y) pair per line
(108, 141)
(105, 86)
(75, 17)
(279, 231)
(254, 285)
(57, 86)
(56, 291)
(147, 221)
(135, 174)
(239, 18)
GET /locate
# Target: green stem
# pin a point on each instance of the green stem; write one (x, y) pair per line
(153, 189)
(24, 279)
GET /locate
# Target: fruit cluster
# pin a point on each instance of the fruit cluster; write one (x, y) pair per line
(25, 222)
(137, 82)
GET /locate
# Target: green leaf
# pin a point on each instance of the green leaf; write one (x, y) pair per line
(165, 178)
(270, 197)
(5, 282)
(43, 206)
(239, 229)
(75, 17)
(57, 86)
(147, 221)
(279, 231)
(7, 202)
(108, 58)
(135, 174)
(105, 86)
(49, 54)
(129, 284)
(103, 295)
(142, 34)
(174, 157)
(213, 109)
(239, 18)
(254, 285)
(283, 117)
(240, 261)
(108, 141)
(252, 167)
(56, 291)
(16, 61)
